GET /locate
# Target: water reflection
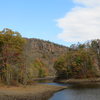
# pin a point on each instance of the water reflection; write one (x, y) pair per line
(56, 84)
(79, 92)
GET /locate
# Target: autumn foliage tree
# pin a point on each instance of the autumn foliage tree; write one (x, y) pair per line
(16, 63)
(11, 48)
(78, 62)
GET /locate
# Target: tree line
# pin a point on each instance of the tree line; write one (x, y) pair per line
(16, 66)
(80, 61)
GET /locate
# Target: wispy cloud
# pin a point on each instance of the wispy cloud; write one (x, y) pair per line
(81, 23)
(91, 3)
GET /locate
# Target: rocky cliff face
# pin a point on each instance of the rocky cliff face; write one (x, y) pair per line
(45, 52)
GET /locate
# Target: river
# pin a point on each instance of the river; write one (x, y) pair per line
(84, 92)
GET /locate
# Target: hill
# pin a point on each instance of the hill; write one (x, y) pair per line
(23, 59)
(43, 54)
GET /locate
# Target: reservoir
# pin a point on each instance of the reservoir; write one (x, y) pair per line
(78, 92)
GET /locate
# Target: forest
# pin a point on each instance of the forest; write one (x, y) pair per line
(81, 61)
(23, 59)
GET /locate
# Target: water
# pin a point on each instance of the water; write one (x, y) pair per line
(57, 84)
(84, 92)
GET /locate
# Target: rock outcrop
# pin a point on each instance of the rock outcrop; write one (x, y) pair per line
(45, 51)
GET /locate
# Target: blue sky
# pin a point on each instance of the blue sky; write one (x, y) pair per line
(44, 19)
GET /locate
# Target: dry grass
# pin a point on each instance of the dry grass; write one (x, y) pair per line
(81, 80)
(24, 93)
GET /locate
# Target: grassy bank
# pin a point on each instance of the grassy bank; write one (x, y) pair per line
(35, 92)
(88, 80)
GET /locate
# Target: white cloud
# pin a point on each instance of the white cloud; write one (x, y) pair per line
(88, 2)
(81, 24)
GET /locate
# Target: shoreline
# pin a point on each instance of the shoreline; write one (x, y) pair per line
(34, 92)
(87, 80)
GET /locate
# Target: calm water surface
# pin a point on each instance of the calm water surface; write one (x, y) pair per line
(88, 92)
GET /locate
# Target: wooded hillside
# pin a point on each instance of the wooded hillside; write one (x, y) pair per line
(23, 59)
(81, 61)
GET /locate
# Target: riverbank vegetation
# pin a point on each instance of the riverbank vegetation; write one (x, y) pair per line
(33, 92)
(11, 53)
(81, 61)
(15, 63)
(22, 59)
